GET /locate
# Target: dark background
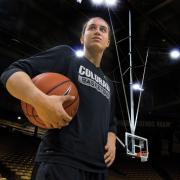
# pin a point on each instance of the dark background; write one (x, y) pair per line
(27, 27)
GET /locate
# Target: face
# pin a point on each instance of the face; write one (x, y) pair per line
(96, 35)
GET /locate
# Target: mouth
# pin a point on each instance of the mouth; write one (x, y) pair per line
(97, 38)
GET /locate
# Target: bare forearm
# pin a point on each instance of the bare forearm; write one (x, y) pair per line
(21, 86)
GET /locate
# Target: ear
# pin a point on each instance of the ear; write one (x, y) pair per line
(82, 40)
(108, 43)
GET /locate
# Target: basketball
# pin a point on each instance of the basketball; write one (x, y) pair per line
(52, 84)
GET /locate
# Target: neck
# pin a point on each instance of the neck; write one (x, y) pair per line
(93, 56)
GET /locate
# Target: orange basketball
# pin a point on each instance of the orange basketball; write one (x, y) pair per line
(52, 84)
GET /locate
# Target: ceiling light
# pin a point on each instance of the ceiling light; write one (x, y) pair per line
(137, 87)
(79, 53)
(110, 2)
(79, 1)
(175, 54)
(98, 2)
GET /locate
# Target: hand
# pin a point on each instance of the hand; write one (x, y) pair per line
(110, 149)
(50, 110)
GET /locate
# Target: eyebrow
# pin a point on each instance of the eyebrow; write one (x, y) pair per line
(100, 25)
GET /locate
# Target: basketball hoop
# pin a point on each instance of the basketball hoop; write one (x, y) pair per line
(143, 155)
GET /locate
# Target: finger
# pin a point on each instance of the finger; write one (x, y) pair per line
(53, 125)
(107, 154)
(110, 163)
(45, 122)
(65, 123)
(67, 98)
(108, 159)
(58, 124)
(111, 160)
(65, 115)
(106, 147)
(48, 125)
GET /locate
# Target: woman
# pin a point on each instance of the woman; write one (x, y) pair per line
(83, 147)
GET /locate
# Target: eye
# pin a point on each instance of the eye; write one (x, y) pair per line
(92, 27)
(103, 29)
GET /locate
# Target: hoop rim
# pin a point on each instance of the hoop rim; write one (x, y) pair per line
(142, 154)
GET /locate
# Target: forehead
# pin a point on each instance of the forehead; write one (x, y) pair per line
(98, 22)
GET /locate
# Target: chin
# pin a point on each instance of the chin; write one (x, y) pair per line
(97, 47)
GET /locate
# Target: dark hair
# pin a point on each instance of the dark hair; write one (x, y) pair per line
(85, 25)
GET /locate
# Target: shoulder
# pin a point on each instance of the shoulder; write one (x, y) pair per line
(62, 49)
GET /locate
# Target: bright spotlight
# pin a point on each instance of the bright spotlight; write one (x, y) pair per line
(79, 53)
(98, 2)
(19, 117)
(137, 87)
(175, 54)
(79, 1)
(110, 2)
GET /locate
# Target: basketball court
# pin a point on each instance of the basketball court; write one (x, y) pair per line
(143, 63)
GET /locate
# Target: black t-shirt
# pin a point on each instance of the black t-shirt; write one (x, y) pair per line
(81, 143)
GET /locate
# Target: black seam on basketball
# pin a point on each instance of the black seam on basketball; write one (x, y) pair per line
(57, 86)
(72, 102)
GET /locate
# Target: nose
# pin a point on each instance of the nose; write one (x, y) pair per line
(98, 32)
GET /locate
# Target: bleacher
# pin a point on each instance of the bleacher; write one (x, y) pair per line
(171, 165)
(18, 149)
(20, 164)
(133, 169)
(17, 152)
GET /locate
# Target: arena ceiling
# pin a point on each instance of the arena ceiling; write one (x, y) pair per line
(27, 27)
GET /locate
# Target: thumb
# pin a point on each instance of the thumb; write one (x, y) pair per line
(67, 98)
(106, 147)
